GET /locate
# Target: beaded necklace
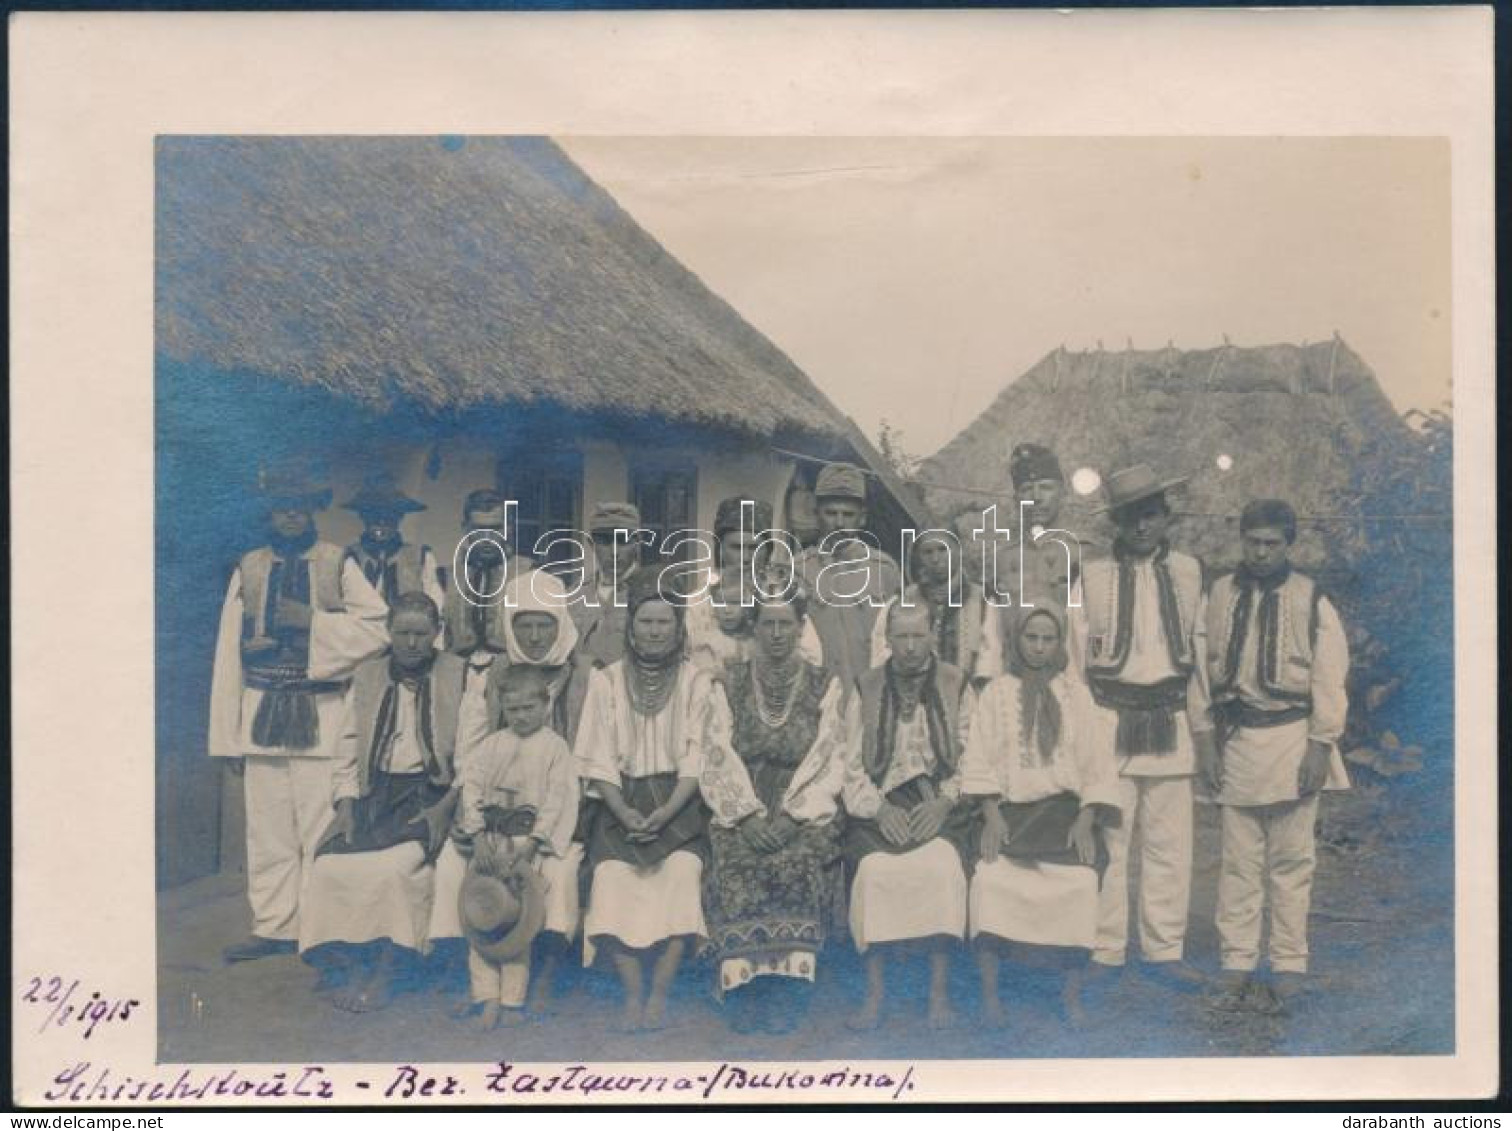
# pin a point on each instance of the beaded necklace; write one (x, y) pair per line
(774, 704)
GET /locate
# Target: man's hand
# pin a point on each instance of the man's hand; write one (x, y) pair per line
(345, 823)
(894, 823)
(1083, 837)
(926, 818)
(437, 820)
(655, 820)
(291, 614)
(1313, 773)
(994, 833)
(1209, 762)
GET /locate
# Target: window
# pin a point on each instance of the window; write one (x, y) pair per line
(548, 486)
(667, 497)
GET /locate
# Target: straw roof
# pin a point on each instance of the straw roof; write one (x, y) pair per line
(450, 273)
(1306, 422)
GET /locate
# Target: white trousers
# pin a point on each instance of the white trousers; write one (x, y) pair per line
(1269, 852)
(501, 982)
(289, 808)
(1157, 811)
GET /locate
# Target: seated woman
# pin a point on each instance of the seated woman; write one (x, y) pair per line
(368, 898)
(539, 634)
(908, 837)
(772, 789)
(646, 724)
(1045, 789)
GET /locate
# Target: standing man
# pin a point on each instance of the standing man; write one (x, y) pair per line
(391, 565)
(616, 532)
(848, 579)
(298, 617)
(1139, 639)
(1049, 568)
(475, 623)
(1277, 660)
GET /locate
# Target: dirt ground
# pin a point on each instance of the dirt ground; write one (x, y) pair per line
(1382, 962)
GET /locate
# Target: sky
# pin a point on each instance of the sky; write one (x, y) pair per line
(914, 278)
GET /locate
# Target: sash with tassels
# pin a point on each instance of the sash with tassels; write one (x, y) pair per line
(1146, 713)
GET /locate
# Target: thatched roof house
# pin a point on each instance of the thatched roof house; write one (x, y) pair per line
(1309, 423)
(464, 313)
(450, 274)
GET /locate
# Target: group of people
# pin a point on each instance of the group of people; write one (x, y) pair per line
(430, 778)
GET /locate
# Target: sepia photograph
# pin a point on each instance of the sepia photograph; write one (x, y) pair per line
(876, 590)
(1104, 706)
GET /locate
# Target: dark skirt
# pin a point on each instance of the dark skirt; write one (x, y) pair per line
(770, 903)
(864, 836)
(388, 814)
(610, 840)
(1039, 831)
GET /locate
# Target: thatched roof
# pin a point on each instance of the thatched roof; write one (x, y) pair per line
(1307, 423)
(452, 274)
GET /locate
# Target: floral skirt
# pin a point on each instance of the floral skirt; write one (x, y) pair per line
(769, 908)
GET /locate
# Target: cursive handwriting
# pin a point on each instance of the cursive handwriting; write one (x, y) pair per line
(66, 1006)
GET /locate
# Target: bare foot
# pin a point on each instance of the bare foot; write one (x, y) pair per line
(941, 1016)
(464, 1008)
(1071, 1003)
(868, 1017)
(511, 1018)
(629, 1020)
(364, 997)
(994, 1016)
(655, 1016)
(487, 1017)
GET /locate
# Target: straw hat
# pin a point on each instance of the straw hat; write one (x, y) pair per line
(500, 918)
(1132, 484)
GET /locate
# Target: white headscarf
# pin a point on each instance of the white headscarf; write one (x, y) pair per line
(540, 592)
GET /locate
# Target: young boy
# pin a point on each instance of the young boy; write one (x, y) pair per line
(1277, 659)
(518, 803)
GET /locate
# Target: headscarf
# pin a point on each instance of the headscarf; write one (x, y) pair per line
(1039, 710)
(539, 592)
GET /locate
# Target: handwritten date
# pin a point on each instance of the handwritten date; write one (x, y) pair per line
(66, 1005)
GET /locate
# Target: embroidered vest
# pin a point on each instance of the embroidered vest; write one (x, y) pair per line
(403, 572)
(369, 683)
(1285, 633)
(1109, 624)
(951, 683)
(322, 590)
